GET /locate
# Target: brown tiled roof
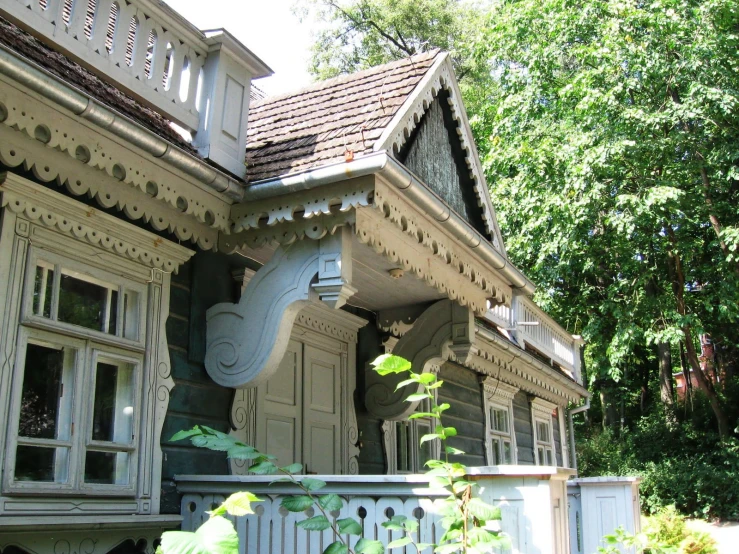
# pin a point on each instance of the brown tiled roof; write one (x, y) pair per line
(315, 126)
(59, 65)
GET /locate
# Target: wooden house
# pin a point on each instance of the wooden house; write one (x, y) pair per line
(243, 278)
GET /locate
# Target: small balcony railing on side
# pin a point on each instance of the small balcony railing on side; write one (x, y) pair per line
(533, 328)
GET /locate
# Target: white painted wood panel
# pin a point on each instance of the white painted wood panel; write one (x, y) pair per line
(322, 412)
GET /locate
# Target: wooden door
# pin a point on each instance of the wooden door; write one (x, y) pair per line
(299, 410)
(321, 411)
(280, 409)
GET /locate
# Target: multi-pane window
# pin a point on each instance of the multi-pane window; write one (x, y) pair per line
(500, 435)
(501, 439)
(405, 452)
(78, 375)
(542, 413)
(544, 449)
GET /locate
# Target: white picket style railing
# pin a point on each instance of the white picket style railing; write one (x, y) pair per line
(532, 501)
(532, 326)
(142, 45)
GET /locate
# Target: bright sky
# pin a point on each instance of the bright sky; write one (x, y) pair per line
(266, 27)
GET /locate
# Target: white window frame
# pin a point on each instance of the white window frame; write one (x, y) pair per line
(413, 427)
(40, 224)
(541, 413)
(498, 395)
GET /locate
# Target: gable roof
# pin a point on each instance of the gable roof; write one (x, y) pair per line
(315, 126)
(369, 111)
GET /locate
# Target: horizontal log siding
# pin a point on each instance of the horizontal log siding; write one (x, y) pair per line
(523, 430)
(461, 389)
(195, 399)
(557, 440)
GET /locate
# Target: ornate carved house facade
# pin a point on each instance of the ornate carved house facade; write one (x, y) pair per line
(243, 278)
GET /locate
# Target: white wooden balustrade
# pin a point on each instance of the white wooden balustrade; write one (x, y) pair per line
(532, 501)
(199, 80)
(533, 327)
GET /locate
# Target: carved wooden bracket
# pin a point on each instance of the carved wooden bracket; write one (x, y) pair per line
(246, 341)
(444, 331)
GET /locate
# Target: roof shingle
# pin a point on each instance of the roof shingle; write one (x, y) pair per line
(317, 125)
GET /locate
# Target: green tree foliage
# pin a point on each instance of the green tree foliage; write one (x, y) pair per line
(608, 131)
(365, 33)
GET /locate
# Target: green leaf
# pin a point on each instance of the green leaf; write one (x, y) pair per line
(239, 503)
(365, 546)
(179, 435)
(388, 363)
(430, 437)
(215, 536)
(398, 543)
(315, 523)
(337, 547)
(395, 523)
(331, 502)
(427, 378)
(452, 450)
(242, 452)
(406, 383)
(349, 525)
(297, 503)
(263, 468)
(450, 431)
(418, 397)
(218, 444)
(416, 415)
(292, 468)
(447, 548)
(311, 484)
(483, 511)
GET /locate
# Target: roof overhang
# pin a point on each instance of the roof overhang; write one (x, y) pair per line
(392, 211)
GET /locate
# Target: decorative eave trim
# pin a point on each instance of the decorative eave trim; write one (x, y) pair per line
(542, 408)
(495, 388)
(334, 323)
(511, 365)
(45, 207)
(63, 148)
(408, 117)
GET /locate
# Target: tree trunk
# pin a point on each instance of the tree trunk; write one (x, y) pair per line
(666, 390)
(678, 287)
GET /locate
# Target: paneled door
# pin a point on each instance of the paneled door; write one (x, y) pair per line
(299, 410)
(321, 411)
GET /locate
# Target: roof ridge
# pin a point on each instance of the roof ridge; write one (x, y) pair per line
(342, 79)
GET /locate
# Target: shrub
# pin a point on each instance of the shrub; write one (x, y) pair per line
(680, 466)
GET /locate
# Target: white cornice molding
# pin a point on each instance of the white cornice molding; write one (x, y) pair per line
(338, 324)
(495, 388)
(542, 408)
(409, 116)
(45, 207)
(62, 148)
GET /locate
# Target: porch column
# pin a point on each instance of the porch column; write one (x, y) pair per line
(246, 341)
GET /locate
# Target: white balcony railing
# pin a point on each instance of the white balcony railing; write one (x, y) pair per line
(532, 501)
(533, 327)
(197, 79)
(144, 46)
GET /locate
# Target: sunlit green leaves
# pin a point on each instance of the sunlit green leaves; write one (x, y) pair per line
(315, 523)
(215, 536)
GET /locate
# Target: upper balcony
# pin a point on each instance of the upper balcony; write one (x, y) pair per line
(199, 80)
(529, 326)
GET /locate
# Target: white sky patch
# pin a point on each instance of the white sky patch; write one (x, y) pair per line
(266, 27)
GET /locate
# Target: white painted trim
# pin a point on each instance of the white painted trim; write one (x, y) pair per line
(51, 222)
(498, 394)
(90, 161)
(441, 76)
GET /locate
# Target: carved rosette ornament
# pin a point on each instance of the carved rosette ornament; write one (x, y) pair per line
(246, 341)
